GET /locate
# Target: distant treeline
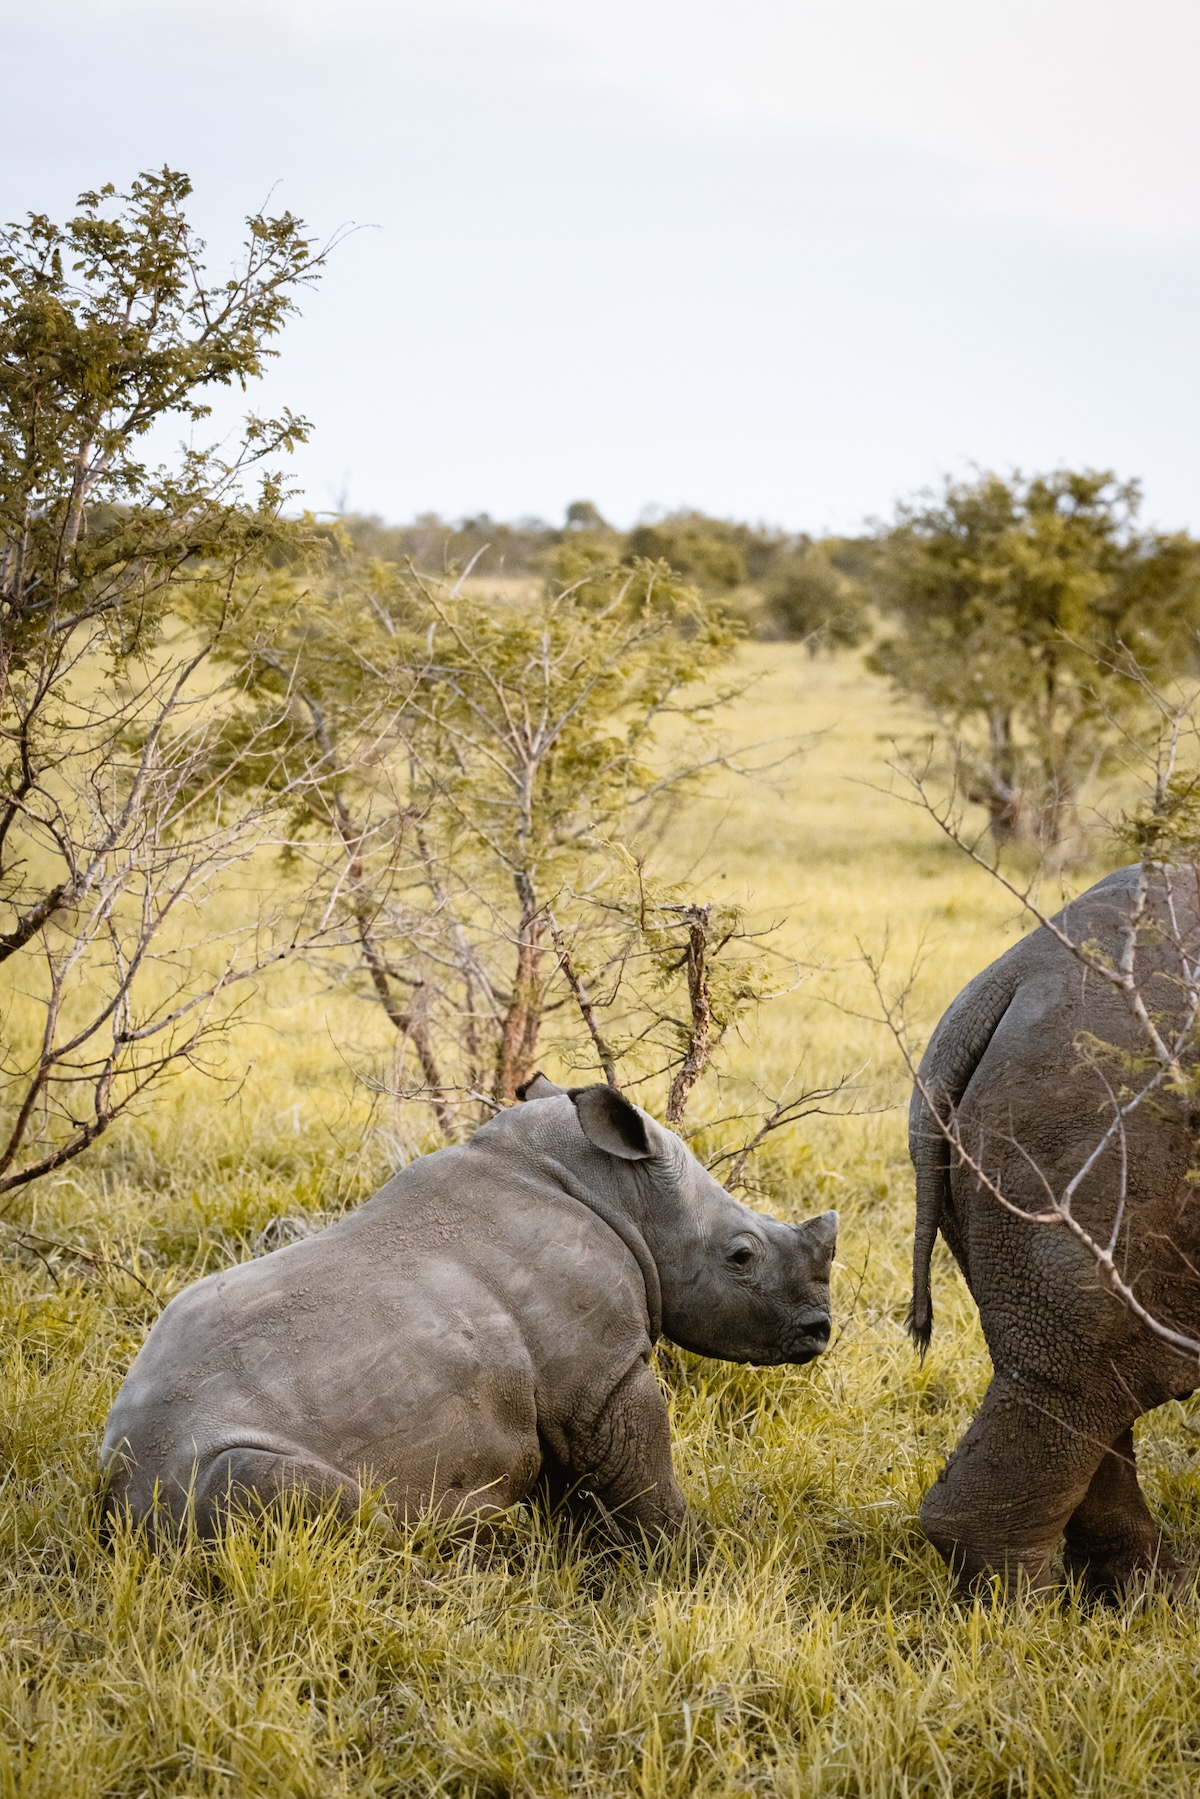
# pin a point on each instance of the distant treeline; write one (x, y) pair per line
(1040, 626)
(782, 584)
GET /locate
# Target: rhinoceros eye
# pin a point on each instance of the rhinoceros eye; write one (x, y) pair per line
(742, 1256)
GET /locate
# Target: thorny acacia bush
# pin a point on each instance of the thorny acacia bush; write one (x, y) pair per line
(119, 577)
(819, 1651)
(476, 785)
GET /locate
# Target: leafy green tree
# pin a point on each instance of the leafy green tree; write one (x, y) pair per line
(582, 515)
(708, 552)
(118, 577)
(807, 595)
(1030, 610)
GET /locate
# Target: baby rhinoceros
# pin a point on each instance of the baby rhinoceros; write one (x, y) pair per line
(485, 1319)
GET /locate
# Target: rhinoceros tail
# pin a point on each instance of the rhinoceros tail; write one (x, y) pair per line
(932, 1171)
(955, 1051)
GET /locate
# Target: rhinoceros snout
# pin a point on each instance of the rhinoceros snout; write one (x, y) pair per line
(811, 1338)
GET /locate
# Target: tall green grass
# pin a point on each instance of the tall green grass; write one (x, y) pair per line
(819, 1652)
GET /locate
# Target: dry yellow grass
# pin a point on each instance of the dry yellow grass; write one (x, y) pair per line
(820, 1651)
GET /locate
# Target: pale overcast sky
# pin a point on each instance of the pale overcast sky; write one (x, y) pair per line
(780, 259)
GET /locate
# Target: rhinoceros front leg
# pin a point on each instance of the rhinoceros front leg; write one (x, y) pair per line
(623, 1456)
(1000, 1504)
(1112, 1537)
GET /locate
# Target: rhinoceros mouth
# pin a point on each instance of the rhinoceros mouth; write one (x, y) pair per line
(810, 1341)
(794, 1356)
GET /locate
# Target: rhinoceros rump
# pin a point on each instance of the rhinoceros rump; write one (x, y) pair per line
(1019, 1069)
(488, 1316)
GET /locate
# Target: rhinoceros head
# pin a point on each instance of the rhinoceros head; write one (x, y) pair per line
(735, 1283)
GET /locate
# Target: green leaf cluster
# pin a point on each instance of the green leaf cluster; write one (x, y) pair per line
(109, 327)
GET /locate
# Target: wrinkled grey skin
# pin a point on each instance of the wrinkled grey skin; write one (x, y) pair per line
(485, 1319)
(1051, 1448)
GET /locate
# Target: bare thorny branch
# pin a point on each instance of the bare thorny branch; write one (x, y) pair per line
(1119, 975)
(135, 981)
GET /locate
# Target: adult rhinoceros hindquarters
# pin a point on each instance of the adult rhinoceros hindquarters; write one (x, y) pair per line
(489, 1314)
(1019, 1079)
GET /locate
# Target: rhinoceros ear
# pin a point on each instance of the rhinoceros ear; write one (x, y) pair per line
(611, 1123)
(820, 1233)
(539, 1086)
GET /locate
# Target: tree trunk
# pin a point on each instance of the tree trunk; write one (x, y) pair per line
(699, 1045)
(1001, 795)
(517, 1048)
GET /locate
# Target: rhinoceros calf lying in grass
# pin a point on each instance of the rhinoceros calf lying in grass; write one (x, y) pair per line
(488, 1316)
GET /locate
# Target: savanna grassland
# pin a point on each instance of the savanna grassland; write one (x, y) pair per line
(820, 1651)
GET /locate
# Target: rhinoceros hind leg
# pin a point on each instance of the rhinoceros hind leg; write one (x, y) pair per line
(253, 1479)
(1000, 1504)
(1112, 1537)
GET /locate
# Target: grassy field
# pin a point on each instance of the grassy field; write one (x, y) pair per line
(819, 1652)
